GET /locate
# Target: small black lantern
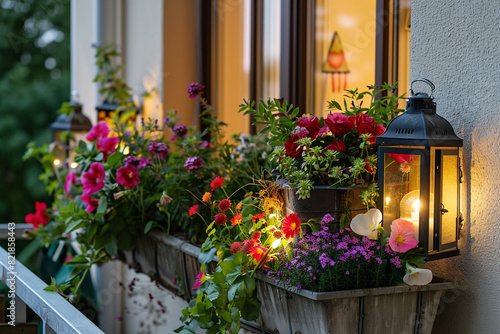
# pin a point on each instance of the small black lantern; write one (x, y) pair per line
(420, 175)
(105, 112)
(68, 130)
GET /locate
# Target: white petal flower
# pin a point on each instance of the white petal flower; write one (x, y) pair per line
(417, 276)
(366, 223)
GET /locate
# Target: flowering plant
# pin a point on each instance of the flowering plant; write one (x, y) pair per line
(325, 261)
(337, 150)
(245, 235)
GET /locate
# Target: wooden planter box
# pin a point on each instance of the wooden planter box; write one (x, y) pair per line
(395, 309)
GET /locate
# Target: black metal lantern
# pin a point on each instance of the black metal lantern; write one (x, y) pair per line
(105, 112)
(419, 175)
(68, 130)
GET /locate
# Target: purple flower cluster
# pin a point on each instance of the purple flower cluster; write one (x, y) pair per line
(140, 163)
(158, 149)
(193, 164)
(195, 89)
(180, 131)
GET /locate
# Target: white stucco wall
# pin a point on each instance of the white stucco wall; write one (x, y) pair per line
(456, 44)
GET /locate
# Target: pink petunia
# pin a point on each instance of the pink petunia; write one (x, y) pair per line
(402, 236)
(69, 182)
(199, 280)
(90, 202)
(107, 146)
(93, 180)
(128, 176)
(98, 131)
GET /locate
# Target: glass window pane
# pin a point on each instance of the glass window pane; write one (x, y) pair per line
(401, 188)
(271, 49)
(449, 198)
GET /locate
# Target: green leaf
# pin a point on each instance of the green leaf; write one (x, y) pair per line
(235, 327)
(103, 205)
(115, 160)
(82, 146)
(148, 226)
(50, 288)
(111, 247)
(235, 314)
(344, 221)
(79, 259)
(234, 290)
(74, 225)
(206, 257)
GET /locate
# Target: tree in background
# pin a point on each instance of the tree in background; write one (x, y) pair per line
(34, 81)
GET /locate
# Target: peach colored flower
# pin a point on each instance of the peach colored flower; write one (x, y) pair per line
(206, 197)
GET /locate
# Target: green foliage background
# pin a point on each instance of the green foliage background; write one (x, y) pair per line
(34, 81)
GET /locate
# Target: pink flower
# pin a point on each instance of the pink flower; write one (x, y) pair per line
(337, 145)
(90, 202)
(93, 180)
(199, 280)
(159, 149)
(402, 238)
(99, 131)
(144, 162)
(193, 164)
(235, 247)
(40, 217)
(128, 176)
(70, 180)
(107, 146)
(311, 124)
(339, 124)
(220, 219)
(195, 89)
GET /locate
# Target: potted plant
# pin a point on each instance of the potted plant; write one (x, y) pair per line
(317, 154)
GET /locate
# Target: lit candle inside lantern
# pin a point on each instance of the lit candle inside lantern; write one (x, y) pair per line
(414, 216)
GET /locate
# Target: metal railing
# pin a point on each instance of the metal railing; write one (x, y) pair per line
(57, 314)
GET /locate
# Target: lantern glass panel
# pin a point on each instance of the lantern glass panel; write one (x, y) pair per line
(449, 198)
(402, 188)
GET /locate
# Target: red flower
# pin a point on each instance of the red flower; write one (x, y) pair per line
(311, 124)
(368, 168)
(291, 225)
(400, 158)
(93, 180)
(292, 149)
(235, 247)
(90, 202)
(236, 219)
(258, 252)
(377, 131)
(217, 183)
(128, 176)
(69, 181)
(40, 206)
(247, 246)
(220, 219)
(256, 235)
(257, 217)
(193, 210)
(107, 146)
(339, 124)
(337, 145)
(199, 280)
(99, 131)
(224, 204)
(364, 124)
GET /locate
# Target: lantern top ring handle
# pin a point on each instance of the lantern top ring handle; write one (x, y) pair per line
(423, 80)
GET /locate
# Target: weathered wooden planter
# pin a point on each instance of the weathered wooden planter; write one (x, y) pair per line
(395, 309)
(325, 200)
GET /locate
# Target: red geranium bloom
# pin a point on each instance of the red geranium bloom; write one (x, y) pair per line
(247, 246)
(90, 202)
(377, 131)
(98, 131)
(93, 180)
(128, 176)
(193, 210)
(37, 219)
(40, 206)
(235, 247)
(69, 181)
(236, 219)
(256, 235)
(257, 217)
(364, 124)
(224, 204)
(337, 145)
(311, 124)
(217, 183)
(291, 225)
(292, 149)
(107, 146)
(220, 219)
(339, 124)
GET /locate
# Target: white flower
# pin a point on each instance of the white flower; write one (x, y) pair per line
(417, 276)
(366, 223)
